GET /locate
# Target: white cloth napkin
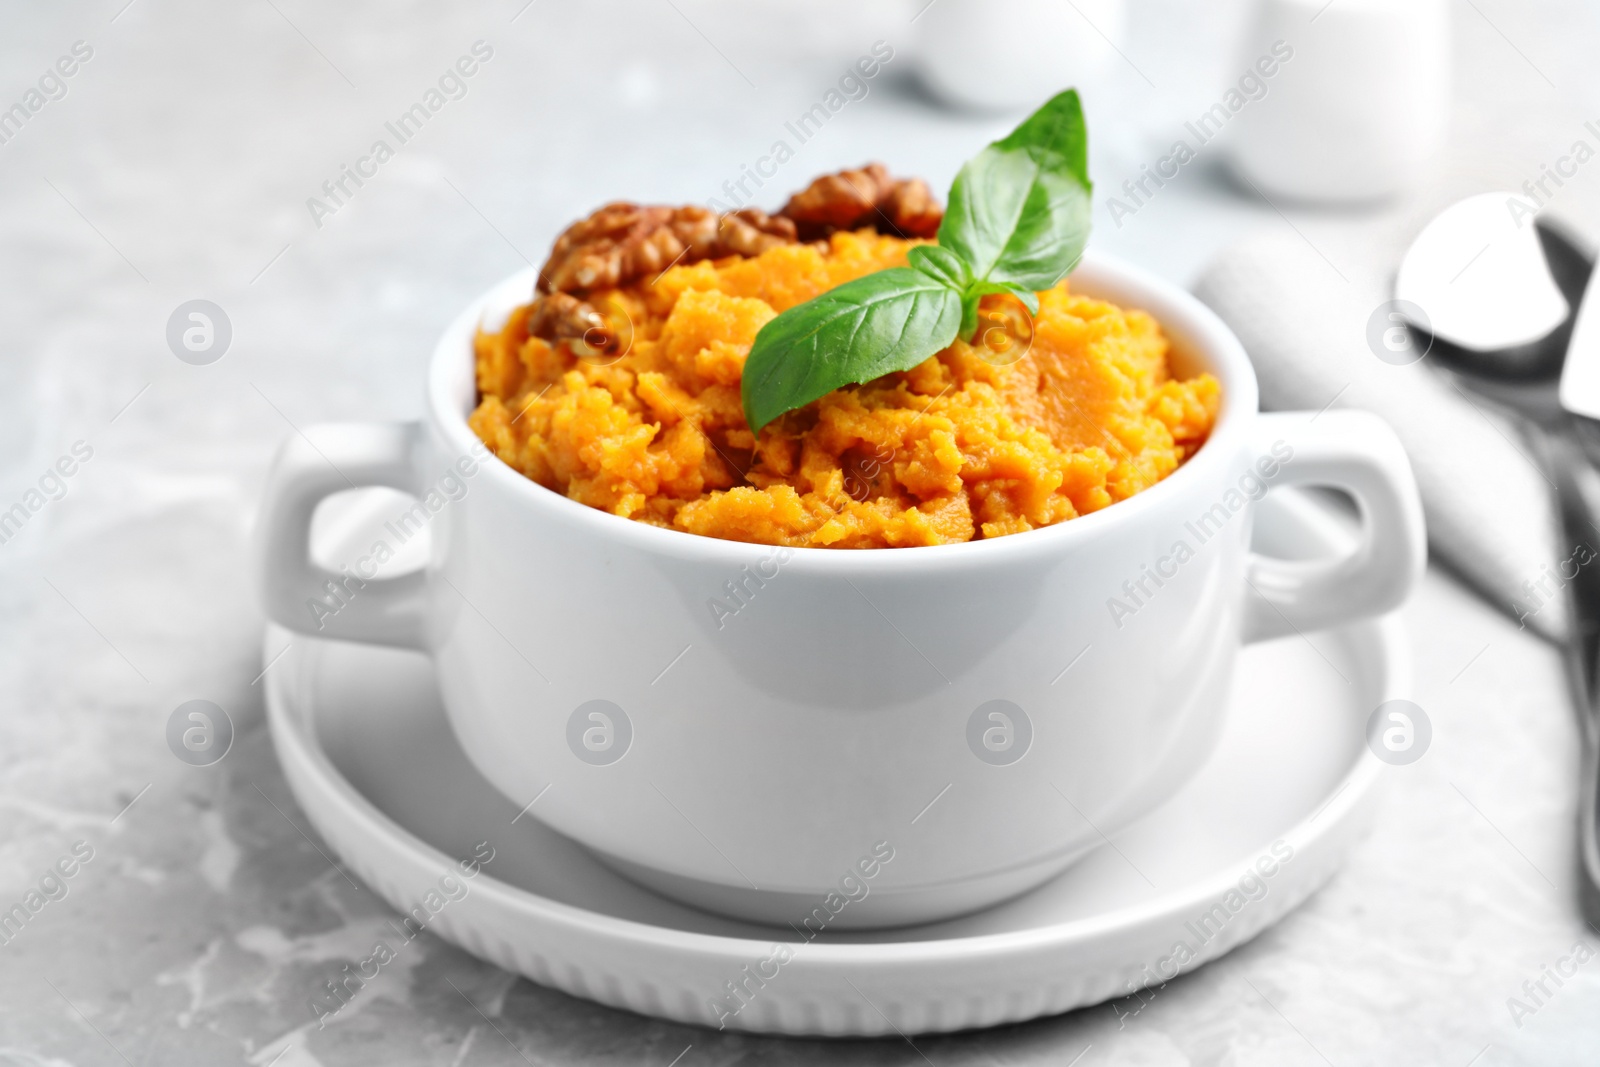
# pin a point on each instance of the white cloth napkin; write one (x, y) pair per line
(1302, 311)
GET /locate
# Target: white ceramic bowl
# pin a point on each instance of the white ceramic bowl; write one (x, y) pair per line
(770, 764)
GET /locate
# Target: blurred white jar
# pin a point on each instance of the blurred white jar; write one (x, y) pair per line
(1003, 55)
(1359, 111)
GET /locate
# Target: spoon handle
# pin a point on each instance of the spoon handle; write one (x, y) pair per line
(1577, 483)
(1589, 835)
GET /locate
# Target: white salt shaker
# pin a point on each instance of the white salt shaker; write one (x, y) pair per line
(1003, 55)
(1358, 110)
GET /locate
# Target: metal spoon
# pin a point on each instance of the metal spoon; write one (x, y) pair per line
(1501, 324)
(1496, 299)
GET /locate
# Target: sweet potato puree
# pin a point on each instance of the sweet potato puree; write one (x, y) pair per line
(958, 448)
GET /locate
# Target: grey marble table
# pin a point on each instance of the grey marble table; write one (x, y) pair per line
(177, 161)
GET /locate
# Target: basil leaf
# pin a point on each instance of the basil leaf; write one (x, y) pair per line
(1019, 210)
(978, 290)
(951, 269)
(1017, 223)
(1029, 298)
(888, 321)
(941, 263)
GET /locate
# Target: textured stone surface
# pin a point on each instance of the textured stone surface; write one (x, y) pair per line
(178, 166)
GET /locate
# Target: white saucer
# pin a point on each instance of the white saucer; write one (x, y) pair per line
(372, 761)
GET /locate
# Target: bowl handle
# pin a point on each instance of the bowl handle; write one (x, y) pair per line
(1357, 452)
(303, 596)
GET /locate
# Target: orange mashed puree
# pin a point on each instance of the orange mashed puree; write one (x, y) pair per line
(955, 449)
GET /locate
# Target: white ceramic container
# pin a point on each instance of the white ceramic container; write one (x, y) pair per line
(1359, 109)
(1291, 788)
(1005, 55)
(1031, 693)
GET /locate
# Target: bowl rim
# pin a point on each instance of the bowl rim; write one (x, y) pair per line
(1194, 330)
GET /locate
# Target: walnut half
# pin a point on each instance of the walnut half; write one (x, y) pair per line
(563, 317)
(868, 196)
(623, 243)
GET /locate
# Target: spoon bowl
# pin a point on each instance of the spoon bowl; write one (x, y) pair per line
(1524, 377)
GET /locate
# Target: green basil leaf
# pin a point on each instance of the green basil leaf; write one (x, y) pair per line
(1019, 210)
(1017, 223)
(1023, 293)
(978, 290)
(969, 316)
(888, 321)
(941, 263)
(1029, 298)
